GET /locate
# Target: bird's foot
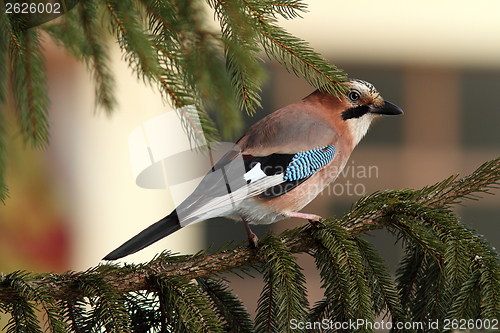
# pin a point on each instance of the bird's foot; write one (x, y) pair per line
(253, 240)
(312, 218)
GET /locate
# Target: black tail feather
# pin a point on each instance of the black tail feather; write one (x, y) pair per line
(167, 225)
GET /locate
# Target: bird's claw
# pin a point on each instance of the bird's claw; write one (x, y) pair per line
(253, 240)
(316, 222)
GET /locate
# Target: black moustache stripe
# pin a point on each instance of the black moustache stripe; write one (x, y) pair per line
(356, 112)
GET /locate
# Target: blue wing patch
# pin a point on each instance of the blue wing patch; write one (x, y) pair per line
(307, 163)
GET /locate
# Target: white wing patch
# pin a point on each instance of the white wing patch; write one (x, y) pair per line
(255, 173)
(226, 204)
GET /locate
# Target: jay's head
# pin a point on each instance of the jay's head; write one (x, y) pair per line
(362, 104)
(365, 101)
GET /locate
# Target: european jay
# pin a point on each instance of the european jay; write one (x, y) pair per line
(278, 166)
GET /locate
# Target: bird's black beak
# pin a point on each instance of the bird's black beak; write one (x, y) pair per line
(388, 109)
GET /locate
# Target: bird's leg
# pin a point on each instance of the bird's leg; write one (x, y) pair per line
(252, 238)
(313, 219)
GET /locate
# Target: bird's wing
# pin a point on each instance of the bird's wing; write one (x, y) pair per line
(292, 129)
(273, 157)
(294, 168)
(295, 140)
(238, 176)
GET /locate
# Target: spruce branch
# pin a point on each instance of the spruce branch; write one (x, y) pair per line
(29, 86)
(229, 308)
(465, 302)
(437, 277)
(94, 34)
(284, 297)
(144, 311)
(70, 34)
(241, 52)
(288, 9)
(23, 313)
(432, 295)
(128, 28)
(383, 289)
(366, 214)
(185, 307)
(409, 267)
(293, 53)
(299, 240)
(339, 262)
(73, 313)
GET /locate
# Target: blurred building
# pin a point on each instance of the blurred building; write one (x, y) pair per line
(438, 62)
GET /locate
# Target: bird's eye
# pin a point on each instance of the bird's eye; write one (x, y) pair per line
(354, 96)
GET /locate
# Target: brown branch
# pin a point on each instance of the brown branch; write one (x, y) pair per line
(131, 278)
(117, 19)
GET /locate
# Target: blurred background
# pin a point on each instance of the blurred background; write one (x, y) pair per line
(438, 60)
